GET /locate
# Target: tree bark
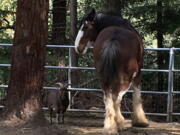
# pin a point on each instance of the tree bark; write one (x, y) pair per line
(59, 33)
(114, 6)
(73, 32)
(159, 37)
(59, 22)
(73, 18)
(28, 60)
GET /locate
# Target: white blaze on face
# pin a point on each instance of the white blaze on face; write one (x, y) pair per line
(78, 38)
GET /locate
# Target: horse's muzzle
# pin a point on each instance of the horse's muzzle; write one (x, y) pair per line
(79, 50)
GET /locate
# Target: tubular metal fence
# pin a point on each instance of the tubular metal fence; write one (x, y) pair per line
(165, 96)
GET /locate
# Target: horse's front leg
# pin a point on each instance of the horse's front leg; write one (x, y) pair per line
(139, 118)
(110, 127)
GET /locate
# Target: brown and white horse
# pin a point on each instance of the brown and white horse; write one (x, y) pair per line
(118, 55)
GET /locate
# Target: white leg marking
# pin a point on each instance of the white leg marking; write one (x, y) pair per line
(121, 94)
(134, 74)
(78, 38)
(117, 104)
(139, 115)
(110, 126)
(27, 49)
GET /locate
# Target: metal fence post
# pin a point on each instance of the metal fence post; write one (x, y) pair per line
(69, 78)
(170, 86)
(169, 110)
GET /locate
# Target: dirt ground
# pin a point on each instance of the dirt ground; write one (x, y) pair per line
(88, 124)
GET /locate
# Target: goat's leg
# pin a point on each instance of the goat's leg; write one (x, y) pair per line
(139, 118)
(62, 118)
(50, 114)
(58, 118)
(110, 127)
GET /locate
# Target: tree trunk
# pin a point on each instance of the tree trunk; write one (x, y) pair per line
(59, 34)
(159, 37)
(114, 6)
(28, 60)
(73, 17)
(59, 24)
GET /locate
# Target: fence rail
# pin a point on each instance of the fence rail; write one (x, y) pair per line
(169, 92)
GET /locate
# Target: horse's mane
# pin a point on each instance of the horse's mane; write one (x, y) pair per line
(108, 13)
(109, 18)
(111, 13)
(105, 19)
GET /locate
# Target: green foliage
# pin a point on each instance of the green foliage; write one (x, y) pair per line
(86, 5)
(8, 5)
(144, 16)
(7, 19)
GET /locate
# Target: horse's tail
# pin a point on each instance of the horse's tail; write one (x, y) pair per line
(110, 59)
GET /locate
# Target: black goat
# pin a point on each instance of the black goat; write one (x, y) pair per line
(57, 102)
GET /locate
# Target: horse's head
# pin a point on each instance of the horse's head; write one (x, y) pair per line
(86, 32)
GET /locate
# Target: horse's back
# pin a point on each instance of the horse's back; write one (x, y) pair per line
(118, 54)
(108, 19)
(128, 41)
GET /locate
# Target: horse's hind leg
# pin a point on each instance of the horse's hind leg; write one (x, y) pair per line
(117, 106)
(110, 127)
(139, 118)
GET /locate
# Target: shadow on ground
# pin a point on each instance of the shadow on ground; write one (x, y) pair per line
(88, 124)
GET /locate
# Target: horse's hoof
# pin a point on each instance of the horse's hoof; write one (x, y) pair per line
(120, 127)
(110, 132)
(140, 124)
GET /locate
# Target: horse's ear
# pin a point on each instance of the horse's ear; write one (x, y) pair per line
(93, 11)
(91, 14)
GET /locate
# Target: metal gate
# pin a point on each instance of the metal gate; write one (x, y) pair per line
(173, 55)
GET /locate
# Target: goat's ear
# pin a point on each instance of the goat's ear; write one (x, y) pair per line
(60, 84)
(93, 11)
(66, 85)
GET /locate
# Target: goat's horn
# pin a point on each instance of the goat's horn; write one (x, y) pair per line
(67, 84)
(60, 84)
